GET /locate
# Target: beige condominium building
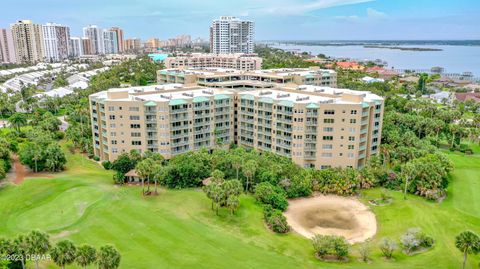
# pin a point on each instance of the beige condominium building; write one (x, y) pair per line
(237, 79)
(315, 126)
(239, 61)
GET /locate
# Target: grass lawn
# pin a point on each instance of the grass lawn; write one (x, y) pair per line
(177, 229)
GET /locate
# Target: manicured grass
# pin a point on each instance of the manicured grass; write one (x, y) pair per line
(177, 229)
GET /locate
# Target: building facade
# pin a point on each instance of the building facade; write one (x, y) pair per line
(7, 47)
(237, 79)
(56, 38)
(95, 34)
(132, 45)
(231, 35)
(75, 47)
(87, 46)
(317, 127)
(239, 61)
(28, 41)
(120, 42)
(110, 41)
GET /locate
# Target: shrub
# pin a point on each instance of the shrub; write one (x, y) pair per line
(70, 146)
(299, 186)
(387, 247)
(364, 251)
(107, 165)
(330, 245)
(59, 135)
(96, 158)
(275, 219)
(414, 239)
(268, 194)
(3, 174)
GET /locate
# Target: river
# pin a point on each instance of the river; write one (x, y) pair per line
(453, 58)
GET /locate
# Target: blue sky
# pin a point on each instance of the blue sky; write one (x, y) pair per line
(275, 19)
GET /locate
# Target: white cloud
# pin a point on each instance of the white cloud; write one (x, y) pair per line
(292, 7)
(375, 14)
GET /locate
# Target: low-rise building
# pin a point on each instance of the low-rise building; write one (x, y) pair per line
(232, 78)
(315, 126)
(238, 61)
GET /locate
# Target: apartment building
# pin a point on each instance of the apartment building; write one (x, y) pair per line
(75, 47)
(132, 45)
(110, 42)
(315, 126)
(86, 46)
(119, 32)
(239, 61)
(7, 47)
(56, 38)
(28, 41)
(169, 119)
(233, 78)
(231, 35)
(95, 34)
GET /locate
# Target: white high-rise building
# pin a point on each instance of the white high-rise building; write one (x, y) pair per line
(95, 34)
(231, 35)
(110, 42)
(75, 47)
(56, 39)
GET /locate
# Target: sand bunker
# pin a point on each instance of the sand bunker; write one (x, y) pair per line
(331, 215)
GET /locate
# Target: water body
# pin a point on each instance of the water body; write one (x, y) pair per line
(454, 58)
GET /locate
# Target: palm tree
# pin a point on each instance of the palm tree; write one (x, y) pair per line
(108, 257)
(64, 253)
(236, 163)
(249, 170)
(469, 243)
(408, 171)
(38, 243)
(86, 255)
(20, 246)
(145, 170)
(17, 121)
(158, 174)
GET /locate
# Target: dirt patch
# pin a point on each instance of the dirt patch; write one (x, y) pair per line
(19, 172)
(331, 215)
(63, 234)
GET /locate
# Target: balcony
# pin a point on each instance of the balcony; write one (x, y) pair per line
(365, 114)
(361, 156)
(363, 131)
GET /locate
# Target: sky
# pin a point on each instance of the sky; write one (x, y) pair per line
(274, 19)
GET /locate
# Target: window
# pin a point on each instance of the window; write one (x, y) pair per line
(351, 146)
(112, 117)
(352, 130)
(135, 126)
(328, 138)
(112, 125)
(134, 108)
(136, 143)
(114, 150)
(351, 138)
(353, 112)
(113, 134)
(353, 121)
(135, 134)
(327, 146)
(328, 121)
(325, 166)
(114, 142)
(111, 108)
(134, 117)
(329, 112)
(328, 129)
(327, 155)
(351, 155)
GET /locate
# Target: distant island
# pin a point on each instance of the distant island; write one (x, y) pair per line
(400, 48)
